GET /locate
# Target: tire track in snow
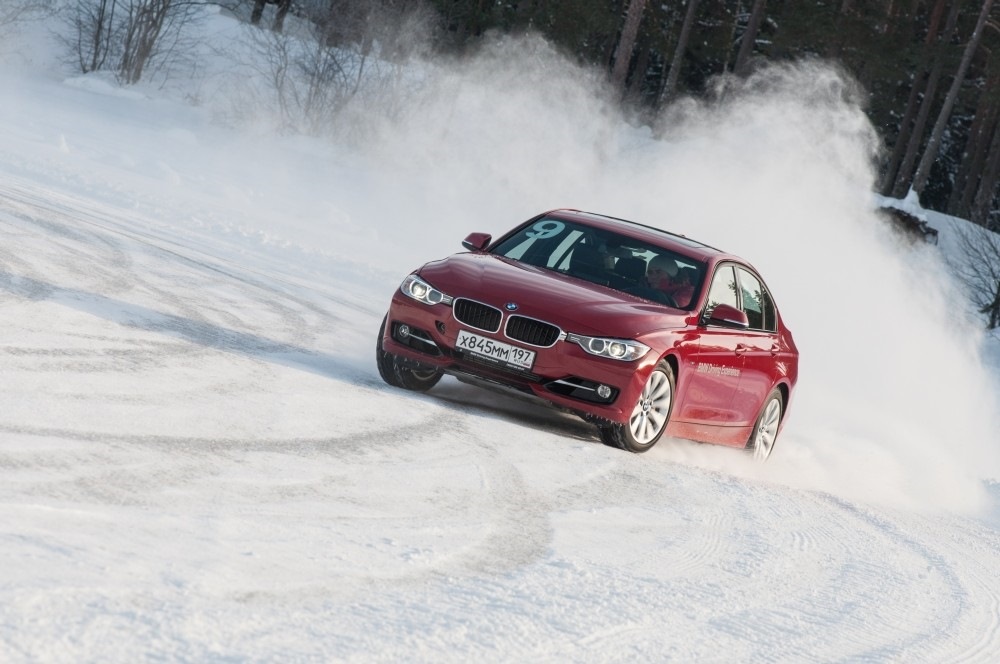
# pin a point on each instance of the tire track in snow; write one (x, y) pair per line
(519, 532)
(141, 229)
(977, 591)
(66, 219)
(95, 252)
(922, 598)
(896, 598)
(516, 531)
(728, 546)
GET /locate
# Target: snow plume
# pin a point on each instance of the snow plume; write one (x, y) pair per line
(893, 404)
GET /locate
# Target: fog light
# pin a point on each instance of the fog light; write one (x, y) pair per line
(403, 331)
(603, 391)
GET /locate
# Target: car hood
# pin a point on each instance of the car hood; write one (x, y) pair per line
(570, 303)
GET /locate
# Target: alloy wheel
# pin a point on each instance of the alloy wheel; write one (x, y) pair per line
(651, 411)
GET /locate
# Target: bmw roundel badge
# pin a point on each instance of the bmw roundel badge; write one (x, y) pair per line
(511, 306)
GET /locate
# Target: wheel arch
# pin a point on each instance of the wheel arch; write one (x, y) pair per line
(785, 390)
(785, 394)
(675, 365)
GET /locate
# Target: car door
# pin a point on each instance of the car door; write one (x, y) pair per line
(758, 348)
(714, 365)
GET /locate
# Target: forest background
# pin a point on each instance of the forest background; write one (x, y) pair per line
(927, 72)
(925, 66)
(930, 69)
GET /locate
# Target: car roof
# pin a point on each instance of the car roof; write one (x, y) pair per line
(680, 243)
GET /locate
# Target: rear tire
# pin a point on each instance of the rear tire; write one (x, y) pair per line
(650, 414)
(765, 429)
(401, 372)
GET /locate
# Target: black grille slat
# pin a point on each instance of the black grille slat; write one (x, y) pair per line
(476, 314)
(531, 331)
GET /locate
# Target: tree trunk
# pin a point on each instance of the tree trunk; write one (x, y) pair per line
(678, 60)
(906, 125)
(934, 143)
(750, 36)
(626, 43)
(639, 75)
(988, 183)
(905, 171)
(976, 265)
(94, 26)
(970, 172)
(992, 309)
(731, 36)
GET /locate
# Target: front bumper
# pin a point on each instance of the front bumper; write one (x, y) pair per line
(562, 374)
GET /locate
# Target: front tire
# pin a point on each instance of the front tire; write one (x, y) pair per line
(765, 429)
(649, 417)
(400, 372)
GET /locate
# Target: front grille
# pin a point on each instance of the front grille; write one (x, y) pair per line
(531, 331)
(476, 314)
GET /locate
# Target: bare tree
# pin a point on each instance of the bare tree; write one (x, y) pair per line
(144, 23)
(749, 36)
(347, 52)
(128, 36)
(970, 173)
(934, 142)
(979, 270)
(682, 43)
(925, 83)
(13, 11)
(980, 210)
(626, 43)
(93, 25)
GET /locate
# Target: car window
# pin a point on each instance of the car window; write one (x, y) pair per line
(723, 290)
(756, 302)
(560, 257)
(544, 243)
(606, 258)
(534, 243)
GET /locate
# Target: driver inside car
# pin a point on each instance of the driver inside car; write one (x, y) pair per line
(664, 275)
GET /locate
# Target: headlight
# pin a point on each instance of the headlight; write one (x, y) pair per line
(422, 291)
(615, 349)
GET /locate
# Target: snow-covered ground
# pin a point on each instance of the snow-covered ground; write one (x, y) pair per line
(200, 462)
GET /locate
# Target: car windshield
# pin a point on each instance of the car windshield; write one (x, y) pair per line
(607, 258)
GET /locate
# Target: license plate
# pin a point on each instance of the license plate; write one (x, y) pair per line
(496, 350)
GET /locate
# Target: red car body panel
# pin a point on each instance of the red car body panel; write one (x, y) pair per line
(722, 374)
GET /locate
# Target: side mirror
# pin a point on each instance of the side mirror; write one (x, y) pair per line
(477, 241)
(729, 316)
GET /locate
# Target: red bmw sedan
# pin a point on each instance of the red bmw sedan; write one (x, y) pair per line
(639, 331)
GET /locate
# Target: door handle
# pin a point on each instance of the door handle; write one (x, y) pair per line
(775, 347)
(741, 348)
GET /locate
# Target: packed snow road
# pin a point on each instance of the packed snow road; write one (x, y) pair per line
(200, 463)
